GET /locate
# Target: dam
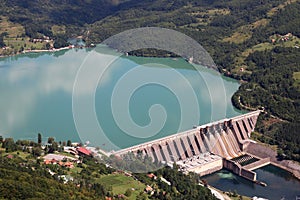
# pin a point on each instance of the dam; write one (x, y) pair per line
(206, 148)
(226, 138)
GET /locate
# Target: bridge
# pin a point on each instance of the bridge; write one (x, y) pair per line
(226, 138)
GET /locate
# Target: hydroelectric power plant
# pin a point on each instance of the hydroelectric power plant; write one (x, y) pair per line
(207, 148)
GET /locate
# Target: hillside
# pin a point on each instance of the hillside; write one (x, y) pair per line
(255, 41)
(30, 170)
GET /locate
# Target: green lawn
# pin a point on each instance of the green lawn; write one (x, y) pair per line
(20, 154)
(120, 183)
(11, 28)
(296, 77)
(75, 170)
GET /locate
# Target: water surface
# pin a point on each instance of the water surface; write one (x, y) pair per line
(280, 183)
(36, 96)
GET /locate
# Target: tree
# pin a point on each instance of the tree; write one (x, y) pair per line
(39, 138)
(69, 143)
(2, 44)
(53, 147)
(48, 46)
(9, 145)
(1, 139)
(128, 192)
(36, 151)
(50, 140)
(99, 189)
(60, 41)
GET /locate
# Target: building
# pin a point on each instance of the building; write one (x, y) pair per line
(83, 151)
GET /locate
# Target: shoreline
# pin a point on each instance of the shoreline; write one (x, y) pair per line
(43, 51)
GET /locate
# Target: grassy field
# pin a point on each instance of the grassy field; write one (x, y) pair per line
(240, 60)
(15, 38)
(21, 154)
(245, 32)
(296, 77)
(75, 170)
(56, 30)
(120, 183)
(206, 16)
(12, 29)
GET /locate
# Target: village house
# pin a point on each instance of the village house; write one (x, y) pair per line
(149, 190)
(83, 151)
(152, 176)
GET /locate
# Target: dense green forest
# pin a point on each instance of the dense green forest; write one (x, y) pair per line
(253, 41)
(182, 186)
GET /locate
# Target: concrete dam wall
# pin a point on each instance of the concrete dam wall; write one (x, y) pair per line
(239, 170)
(226, 138)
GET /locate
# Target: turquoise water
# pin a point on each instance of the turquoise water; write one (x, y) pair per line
(36, 96)
(280, 183)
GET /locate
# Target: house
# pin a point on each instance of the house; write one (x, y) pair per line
(152, 176)
(70, 150)
(75, 144)
(47, 162)
(84, 151)
(149, 190)
(53, 161)
(127, 174)
(68, 165)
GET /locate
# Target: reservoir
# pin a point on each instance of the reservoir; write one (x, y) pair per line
(37, 96)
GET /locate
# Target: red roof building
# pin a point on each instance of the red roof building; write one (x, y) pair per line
(151, 176)
(84, 151)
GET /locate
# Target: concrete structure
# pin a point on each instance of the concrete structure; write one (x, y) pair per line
(226, 138)
(204, 148)
(202, 164)
(258, 164)
(236, 168)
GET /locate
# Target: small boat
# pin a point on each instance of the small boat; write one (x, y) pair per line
(261, 183)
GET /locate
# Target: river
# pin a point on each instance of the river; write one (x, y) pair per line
(280, 183)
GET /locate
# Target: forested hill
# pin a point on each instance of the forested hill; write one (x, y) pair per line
(255, 41)
(38, 16)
